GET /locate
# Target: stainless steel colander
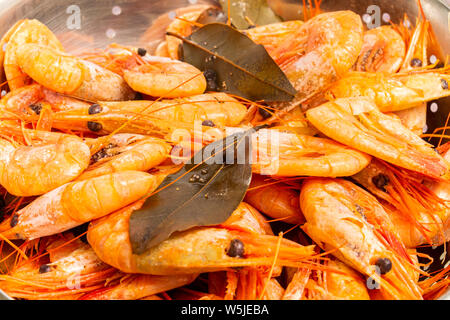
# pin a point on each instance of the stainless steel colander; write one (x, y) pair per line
(81, 24)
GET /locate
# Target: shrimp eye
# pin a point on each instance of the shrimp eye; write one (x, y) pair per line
(94, 126)
(142, 52)
(208, 123)
(37, 108)
(264, 113)
(384, 265)
(236, 249)
(95, 108)
(416, 62)
(45, 268)
(380, 181)
(444, 84)
(14, 220)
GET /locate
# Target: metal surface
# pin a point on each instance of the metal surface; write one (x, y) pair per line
(90, 24)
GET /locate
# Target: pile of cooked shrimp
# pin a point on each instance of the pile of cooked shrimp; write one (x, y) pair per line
(335, 211)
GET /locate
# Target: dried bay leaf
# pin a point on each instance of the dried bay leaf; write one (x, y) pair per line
(242, 67)
(199, 194)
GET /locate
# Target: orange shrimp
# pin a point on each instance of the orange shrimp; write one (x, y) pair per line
(196, 250)
(287, 154)
(395, 92)
(321, 51)
(22, 33)
(124, 152)
(155, 117)
(418, 207)
(71, 270)
(70, 75)
(78, 202)
(343, 218)
(151, 75)
(42, 166)
(336, 282)
(383, 50)
(358, 123)
(276, 201)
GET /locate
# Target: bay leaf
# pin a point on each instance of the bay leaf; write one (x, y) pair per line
(202, 193)
(258, 13)
(242, 67)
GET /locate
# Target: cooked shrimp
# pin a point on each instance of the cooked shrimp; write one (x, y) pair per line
(196, 250)
(271, 36)
(321, 51)
(155, 117)
(336, 282)
(138, 286)
(287, 154)
(336, 220)
(183, 26)
(43, 166)
(78, 202)
(151, 75)
(383, 50)
(21, 34)
(126, 152)
(395, 92)
(358, 123)
(70, 75)
(419, 210)
(73, 271)
(276, 201)
(163, 77)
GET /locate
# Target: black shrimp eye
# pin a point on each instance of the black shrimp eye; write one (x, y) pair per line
(37, 108)
(416, 62)
(444, 84)
(14, 221)
(384, 265)
(45, 268)
(380, 181)
(142, 52)
(94, 126)
(236, 249)
(264, 113)
(95, 108)
(208, 123)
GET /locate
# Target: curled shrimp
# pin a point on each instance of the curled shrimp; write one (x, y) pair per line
(395, 92)
(383, 50)
(22, 33)
(78, 202)
(276, 201)
(321, 51)
(124, 152)
(336, 213)
(288, 154)
(163, 77)
(51, 161)
(151, 75)
(358, 123)
(195, 250)
(70, 75)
